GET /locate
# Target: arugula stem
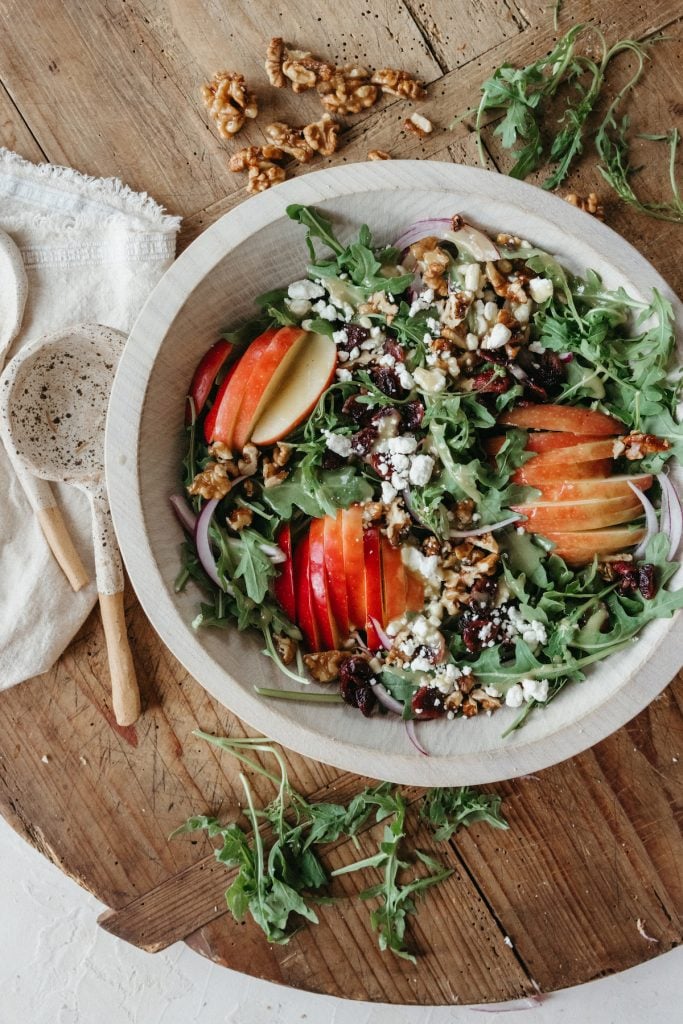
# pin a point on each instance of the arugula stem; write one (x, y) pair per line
(312, 698)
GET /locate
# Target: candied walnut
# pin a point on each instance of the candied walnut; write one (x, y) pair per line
(248, 463)
(304, 70)
(286, 647)
(454, 700)
(348, 91)
(212, 482)
(249, 488)
(398, 83)
(356, 677)
(323, 135)
(325, 666)
(275, 56)
(433, 262)
(470, 708)
(463, 511)
(379, 302)
(456, 308)
(229, 102)
(589, 204)
(290, 140)
(220, 451)
(397, 523)
(378, 154)
(484, 700)
(499, 282)
(431, 545)
(282, 452)
(273, 474)
(636, 446)
(373, 512)
(239, 518)
(418, 125)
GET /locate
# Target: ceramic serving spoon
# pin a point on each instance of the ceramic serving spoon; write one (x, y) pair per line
(13, 294)
(54, 418)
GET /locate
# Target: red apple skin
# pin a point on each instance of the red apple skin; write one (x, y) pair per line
(536, 472)
(262, 373)
(415, 592)
(577, 453)
(570, 516)
(283, 586)
(336, 573)
(205, 376)
(393, 582)
(304, 598)
(373, 585)
(543, 441)
(578, 490)
(239, 386)
(322, 613)
(354, 565)
(561, 417)
(210, 418)
(580, 547)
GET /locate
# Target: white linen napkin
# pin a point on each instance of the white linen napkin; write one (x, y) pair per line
(93, 250)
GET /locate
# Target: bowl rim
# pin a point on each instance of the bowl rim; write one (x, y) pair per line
(122, 474)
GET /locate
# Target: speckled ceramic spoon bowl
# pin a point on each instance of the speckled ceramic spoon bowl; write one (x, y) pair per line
(55, 419)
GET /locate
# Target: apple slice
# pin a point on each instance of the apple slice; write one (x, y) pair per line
(336, 573)
(373, 585)
(304, 595)
(542, 441)
(561, 417)
(268, 377)
(577, 453)
(393, 582)
(322, 613)
(588, 514)
(210, 418)
(231, 397)
(354, 565)
(536, 472)
(307, 376)
(205, 375)
(580, 547)
(283, 585)
(610, 487)
(415, 592)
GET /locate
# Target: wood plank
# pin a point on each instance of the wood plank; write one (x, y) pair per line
(14, 132)
(458, 33)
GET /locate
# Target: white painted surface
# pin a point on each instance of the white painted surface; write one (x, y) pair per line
(58, 967)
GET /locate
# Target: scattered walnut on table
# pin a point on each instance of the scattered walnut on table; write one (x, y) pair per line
(299, 67)
(304, 142)
(323, 135)
(229, 102)
(259, 162)
(324, 666)
(398, 83)
(589, 204)
(275, 56)
(419, 125)
(348, 91)
(378, 154)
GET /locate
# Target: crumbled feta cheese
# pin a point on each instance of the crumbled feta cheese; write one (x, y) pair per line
(431, 381)
(398, 481)
(492, 691)
(344, 375)
(426, 566)
(423, 301)
(522, 312)
(376, 332)
(536, 347)
(326, 311)
(533, 632)
(388, 492)
(472, 342)
(405, 378)
(421, 470)
(354, 353)
(387, 360)
(305, 290)
(498, 336)
(421, 665)
(433, 325)
(340, 337)
(405, 444)
(491, 312)
(540, 289)
(514, 698)
(306, 324)
(399, 461)
(338, 443)
(535, 689)
(472, 277)
(343, 356)
(298, 307)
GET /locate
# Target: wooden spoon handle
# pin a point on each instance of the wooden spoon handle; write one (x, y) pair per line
(62, 546)
(124, 683)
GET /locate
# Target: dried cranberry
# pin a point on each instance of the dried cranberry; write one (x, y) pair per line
(490, 382)
(627, 576)
(535, 391)
(356, 335)
(331, 460)
(387, 381)
(478, 629)
(647, 584)
(380, 465)
(484, 591)
(354, 684)
(363, 440)
(544, 369)
(427, 702)
(412, 415)
(382, 414)
(392, 348)
(356, 410)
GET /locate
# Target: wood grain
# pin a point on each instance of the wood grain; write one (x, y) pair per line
(595, 843)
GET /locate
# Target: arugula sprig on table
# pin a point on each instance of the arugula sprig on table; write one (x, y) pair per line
(282, 879)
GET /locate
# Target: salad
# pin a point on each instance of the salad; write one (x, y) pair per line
(433, 474)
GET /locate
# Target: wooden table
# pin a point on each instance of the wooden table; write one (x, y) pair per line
(594, 859)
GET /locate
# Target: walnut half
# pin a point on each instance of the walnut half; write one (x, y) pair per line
(324, 666)
(229, 102)
(259, 162)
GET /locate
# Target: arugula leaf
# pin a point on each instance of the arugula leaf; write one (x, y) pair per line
(448, 810)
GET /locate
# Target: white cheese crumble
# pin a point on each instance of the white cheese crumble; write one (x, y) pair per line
(299, 307)
(340, 337)
(540, 289)
(325, 310)
(338, 443)
(426, 566)
(389, 492)
(514, 698)
(472, 277)
(305, 290)
(430, 381)
(535, 689)
(498, 336)
(421, 470)
(344, 375)
(423, 301)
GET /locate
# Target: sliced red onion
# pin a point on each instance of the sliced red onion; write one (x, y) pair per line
(518, 372)
(651, 524)
(203, 542)
(420, 229)
(672, 514)
(186, 517)
(483, 529)
(566, 357)
(412, 736)
(475, 242)
(275, 554)
(386, 700)
(383, 636)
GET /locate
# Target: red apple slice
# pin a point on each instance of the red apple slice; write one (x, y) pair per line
(268, 377)
(210, 418)
(373, 585)
(205, 375)
(304, 595)
(322, 613)
(354, 565)
(550, 441)
(283, 586)
(415, 592)
(589, 514)
(537, 473)
(610, 487)
(307, 376)
(393, 582)
(336, 573)
(238, 385)
(577, 453)
(561, 417)
(580, 547)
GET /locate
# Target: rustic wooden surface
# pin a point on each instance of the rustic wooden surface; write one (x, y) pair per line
(595, 845)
